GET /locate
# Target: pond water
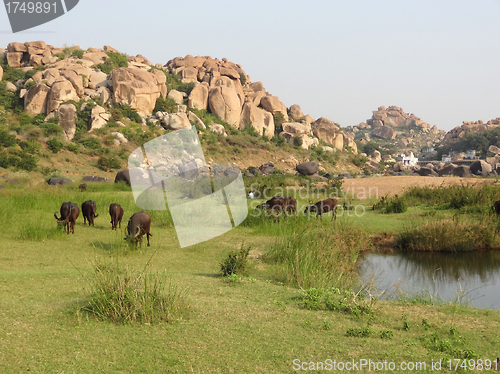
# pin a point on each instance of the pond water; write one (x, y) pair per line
(472, 278)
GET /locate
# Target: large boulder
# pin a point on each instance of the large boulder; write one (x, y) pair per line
(35, 100)
(177, 96)
(55, 181)
(258, 118)
(427, 172)
(198, 98)
(62, 90)
(296, 128)
(386, 133)
(175, 121)
(295, 112)
(1, 73)
(326, 130)
(308, 168)
(273, 105)
(135, 87)
(480, 167)
(462, 171)
(266, 169)
(98, 118)
(446, 170)
(67, 120)
(225, 104)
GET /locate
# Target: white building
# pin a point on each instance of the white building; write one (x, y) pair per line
(410, 160)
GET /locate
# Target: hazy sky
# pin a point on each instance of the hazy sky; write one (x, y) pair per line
(337, 59)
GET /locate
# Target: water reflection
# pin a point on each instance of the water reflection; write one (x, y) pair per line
(472, 277)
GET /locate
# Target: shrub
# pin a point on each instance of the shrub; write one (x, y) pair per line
(90, 142)
(250, 130)
(279, 119)
(243, 79)
(396, 205)
(235, 262)
(165, 105)
(6, 140)
(31, 147)
(54, 145)
(51, 128)
(334, 299)
(297, 142)
(106, 163)
(449, 236)
(77, 53)
(113, 61)
(122, 296)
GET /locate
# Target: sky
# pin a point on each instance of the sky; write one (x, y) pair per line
(337, 59)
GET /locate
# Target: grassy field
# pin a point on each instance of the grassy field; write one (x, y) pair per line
(257, 323)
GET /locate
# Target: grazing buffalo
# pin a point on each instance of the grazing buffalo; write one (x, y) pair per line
(323, 206)
(82, 187)
(281, 204)
(496, 206)
(116, 213)
(88, 210)
(69, 213)
(138, 225)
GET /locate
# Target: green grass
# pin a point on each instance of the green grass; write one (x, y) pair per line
(253, 326)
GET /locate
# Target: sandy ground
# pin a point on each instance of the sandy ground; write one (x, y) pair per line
(376, 187)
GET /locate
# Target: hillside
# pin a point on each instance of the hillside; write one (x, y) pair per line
(77, 112)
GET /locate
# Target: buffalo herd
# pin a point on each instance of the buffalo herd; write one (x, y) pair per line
(138, 225)
(288, 205)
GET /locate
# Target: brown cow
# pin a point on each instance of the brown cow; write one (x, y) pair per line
(323, 206)
(281, 204)
(138, 225)
(83, 187)
(116, 213)
(88, 210)
(69, 213)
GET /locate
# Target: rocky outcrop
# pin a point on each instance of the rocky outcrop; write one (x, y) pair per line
(386, 133)
(135, 87)
(35, 100)
(477, 126)
(325, 130)
(198, 98)
(261, 120)
(67, 120)
(273, 105)
(225, 104)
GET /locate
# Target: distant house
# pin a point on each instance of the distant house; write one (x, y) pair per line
(410, 160)
(428, 150)
(446, 159)
(470, 154)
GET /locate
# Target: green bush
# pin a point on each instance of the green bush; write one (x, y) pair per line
(6, 140)
(243, 79)
(279, 119)
(77, 53)
(18, 160)
(235, 262)
(106, 163)
(297, 142)
(54, 145)
(334, 299)
(113, 61)
(165, 105)
(250, 130)
(31, 146)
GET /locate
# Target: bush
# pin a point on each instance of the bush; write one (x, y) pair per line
(31, 146)
(297, 142)
(279, 119)
(250, 130)
(106, 163)
(396, 205)
(235, 262)
(334, 299)
(77, 53)
(7, 140)
(123, 296)
(165, 105)
(113, 61)
(54, 145)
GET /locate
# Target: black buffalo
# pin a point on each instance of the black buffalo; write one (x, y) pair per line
(83, 186)
(323, 206)
(138, 225)
(281, 204)
(69, 213)
(88, 210)
(116, 213)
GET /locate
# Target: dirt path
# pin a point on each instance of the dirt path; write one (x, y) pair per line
(376, 187)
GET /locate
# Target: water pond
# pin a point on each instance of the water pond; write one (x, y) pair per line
(471, 278)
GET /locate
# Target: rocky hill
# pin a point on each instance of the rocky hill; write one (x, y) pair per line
(396, 131)
(102, 75)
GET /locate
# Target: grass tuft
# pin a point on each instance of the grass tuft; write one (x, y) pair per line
(123, 296)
